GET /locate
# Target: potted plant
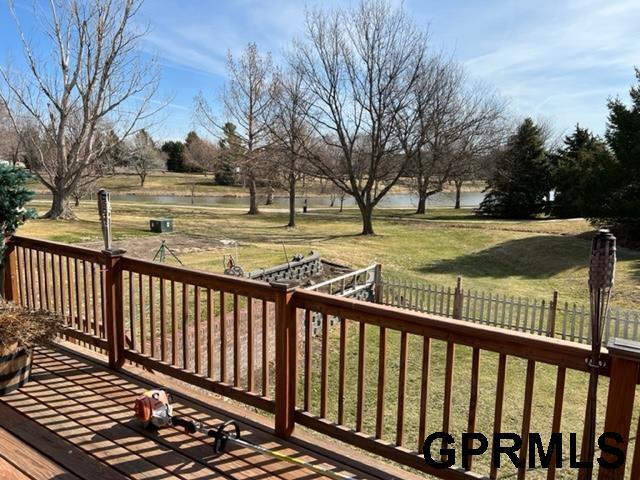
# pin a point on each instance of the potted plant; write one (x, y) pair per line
(14, 195)
(21, 330)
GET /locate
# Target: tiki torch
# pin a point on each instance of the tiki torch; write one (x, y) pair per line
(601, 275)
(104, 210)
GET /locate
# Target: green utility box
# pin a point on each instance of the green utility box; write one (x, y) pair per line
(161, 225)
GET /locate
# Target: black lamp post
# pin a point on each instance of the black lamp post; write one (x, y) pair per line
(601, 276)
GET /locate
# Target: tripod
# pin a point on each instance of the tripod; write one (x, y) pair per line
(160, 255)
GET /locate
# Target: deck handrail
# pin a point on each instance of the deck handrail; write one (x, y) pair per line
(135, 309)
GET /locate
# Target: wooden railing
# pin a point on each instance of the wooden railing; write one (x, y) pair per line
(382, 379)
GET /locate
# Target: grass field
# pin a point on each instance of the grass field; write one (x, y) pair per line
(524, 258)
(528, 258)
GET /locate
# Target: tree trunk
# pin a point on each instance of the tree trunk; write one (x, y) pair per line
(269, 195)
(458, 184)
(367, 219)
(77, 201)
(422, 203)
(341, 203)
(253, 197)
(142, 179)
(292, 200)
(60, 209)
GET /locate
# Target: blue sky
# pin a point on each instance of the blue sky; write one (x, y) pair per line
(553, 60)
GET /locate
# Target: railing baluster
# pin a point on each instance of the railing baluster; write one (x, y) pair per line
(85, 287)
(46, 280)
(448, 389)
(61, 272)
(497, 417)
(41, 301)
(94, 303)
(143, 333)
(265, 349)
(210, 343)
(526, 417)
(382, 360)
(132, 313)
(70, 292)
(307, 360)
(557, 417)
(76, 275)
(26, 260)
(54, 282)
(473, 399)
(196, 327)
(223, 338)
(236, 341)
(185, 326)
(342, 369)
(21, 274)
(402, 385)
(361, 373)
(324, 366)
(174, 324)
(163, 322)
(152, 317)
(250, 345)
(424, 390)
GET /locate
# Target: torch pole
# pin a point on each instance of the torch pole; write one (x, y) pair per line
(601, 277)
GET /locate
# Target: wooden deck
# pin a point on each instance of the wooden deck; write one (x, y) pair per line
(74, 420)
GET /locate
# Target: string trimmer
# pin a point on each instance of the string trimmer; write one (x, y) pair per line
(153, 408)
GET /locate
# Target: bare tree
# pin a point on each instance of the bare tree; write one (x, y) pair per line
(89, 78)
(11, 146)
(478, 147)
(290, 127)
(200, 153)
(144, 156)
(449, 122)
(359, 67)
(247, 99)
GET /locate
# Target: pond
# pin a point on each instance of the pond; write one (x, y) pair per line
(395, 200)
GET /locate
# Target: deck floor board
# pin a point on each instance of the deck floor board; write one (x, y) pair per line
(74, 420)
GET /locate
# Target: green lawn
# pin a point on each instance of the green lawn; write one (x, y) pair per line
(522, 258)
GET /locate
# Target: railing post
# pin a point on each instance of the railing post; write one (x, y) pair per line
(286, 358)
(10, 271)
(114, 314)
(625, 368)
(553, 310)
(458, 298)
(377, 283)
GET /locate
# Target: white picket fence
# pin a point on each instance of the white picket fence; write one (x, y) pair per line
(539, 316)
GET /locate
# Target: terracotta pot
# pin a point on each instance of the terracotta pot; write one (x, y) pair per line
(15, 367)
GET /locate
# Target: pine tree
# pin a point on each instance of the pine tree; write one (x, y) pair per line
(14, 195)
(175, 155)
(619, 204)
(229, 145)
(519, 185)
(575, 168)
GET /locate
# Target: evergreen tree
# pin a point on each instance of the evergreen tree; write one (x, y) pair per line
(575, 167)
(14, 195)
(229, 146)
(520, 183)
(619, 204)
(175, 155)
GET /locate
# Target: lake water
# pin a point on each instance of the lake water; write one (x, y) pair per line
(396, 200)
